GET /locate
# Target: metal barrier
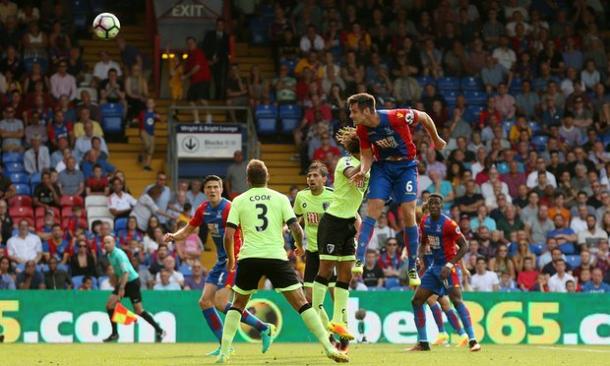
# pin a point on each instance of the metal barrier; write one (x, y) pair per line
(172, 151)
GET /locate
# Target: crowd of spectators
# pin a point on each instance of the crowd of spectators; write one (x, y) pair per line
(519, 91)
(55, 170)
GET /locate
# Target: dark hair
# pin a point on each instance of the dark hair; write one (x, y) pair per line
(257, 172)
(319, 166)
(191, 38)
(364, 100)
(96, 165)
(212, 178)
(481, 259)
(187, 206)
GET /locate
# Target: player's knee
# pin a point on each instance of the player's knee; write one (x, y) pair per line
(374, 208)
(417, 300)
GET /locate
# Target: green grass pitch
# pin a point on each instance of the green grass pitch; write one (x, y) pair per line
(296, 354)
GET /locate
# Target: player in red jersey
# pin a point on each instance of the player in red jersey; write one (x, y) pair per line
(448, 246)
(388, 151)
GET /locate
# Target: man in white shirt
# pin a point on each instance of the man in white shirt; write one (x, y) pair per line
(100, 71)
(169, 263)
(165, 283)
(63, 83)
(592, 235)
(579, 223)
(505, 56)
(25, 246)
(120, 203)
(381, 233)
(557, 282)
(484, 280)
(36, 158)
(532, 178)
(145, 207)
(311, 40)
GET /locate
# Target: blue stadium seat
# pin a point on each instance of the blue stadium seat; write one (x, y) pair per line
(474, 97)
(567, 248)
(80, 13)
(290, 63)
(19, 178)
(94, 283)
(77, 281)
(506, 126)
(112, 118)
(573, 260)
(377, 288)
(35, 178)
(266, 117)
(502, 167)
(425, 80)
(471, 83)
(392, 282)
(120, 224)
(100, 280)
(258, 31)
(12, 157)
(23, 189)
(450, 97)
(516, 86)
(472, 113)
(448, 83)
(537, 248)
(185, 269)
(534, 126)
(290, 117)
(540, 142)
(15, 167)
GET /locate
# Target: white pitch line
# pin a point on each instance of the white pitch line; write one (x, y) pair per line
(575, 349)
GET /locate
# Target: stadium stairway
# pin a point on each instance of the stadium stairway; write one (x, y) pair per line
(279, 157)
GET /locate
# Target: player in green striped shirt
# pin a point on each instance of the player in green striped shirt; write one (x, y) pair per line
(261, 214)
(336, 235)
(127, 285)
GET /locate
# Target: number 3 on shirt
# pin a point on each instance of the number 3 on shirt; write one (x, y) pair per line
(262, 215)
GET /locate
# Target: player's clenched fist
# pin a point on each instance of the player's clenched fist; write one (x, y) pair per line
(168, 238)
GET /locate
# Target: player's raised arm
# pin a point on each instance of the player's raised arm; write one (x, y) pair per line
(181, 234)
(428, 124)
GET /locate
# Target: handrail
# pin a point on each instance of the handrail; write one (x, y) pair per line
(172, 151)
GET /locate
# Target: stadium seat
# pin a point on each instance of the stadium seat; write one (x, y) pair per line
(537, 248)
(534, 126)
(290, 117)
(377, 289)
(290, 63)
(13, 167)
(258, 31)
(66, 211)
(12, 157)
(77, 281)
(112, 118)
(39, 223)
(23, 189)
(120, 224)
(506, 126)
(502, 167)
(567, 248)
(185, 269)
(474, 97)
(266, 117)
(99, 211)
(450, 97)
(35, 178)
(29, 62)
(19, 178)
(540, 142)
(96, 200)
(71, 201)
(19, 201)
(471, 83)
(66, 223)
(516, 86)
(425, 80)
(448, 83)
(21, 211)
(392, 282)
(573, 260)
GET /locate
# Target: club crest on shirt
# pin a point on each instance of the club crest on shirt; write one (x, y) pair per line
(304, 204)
(330, 248)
